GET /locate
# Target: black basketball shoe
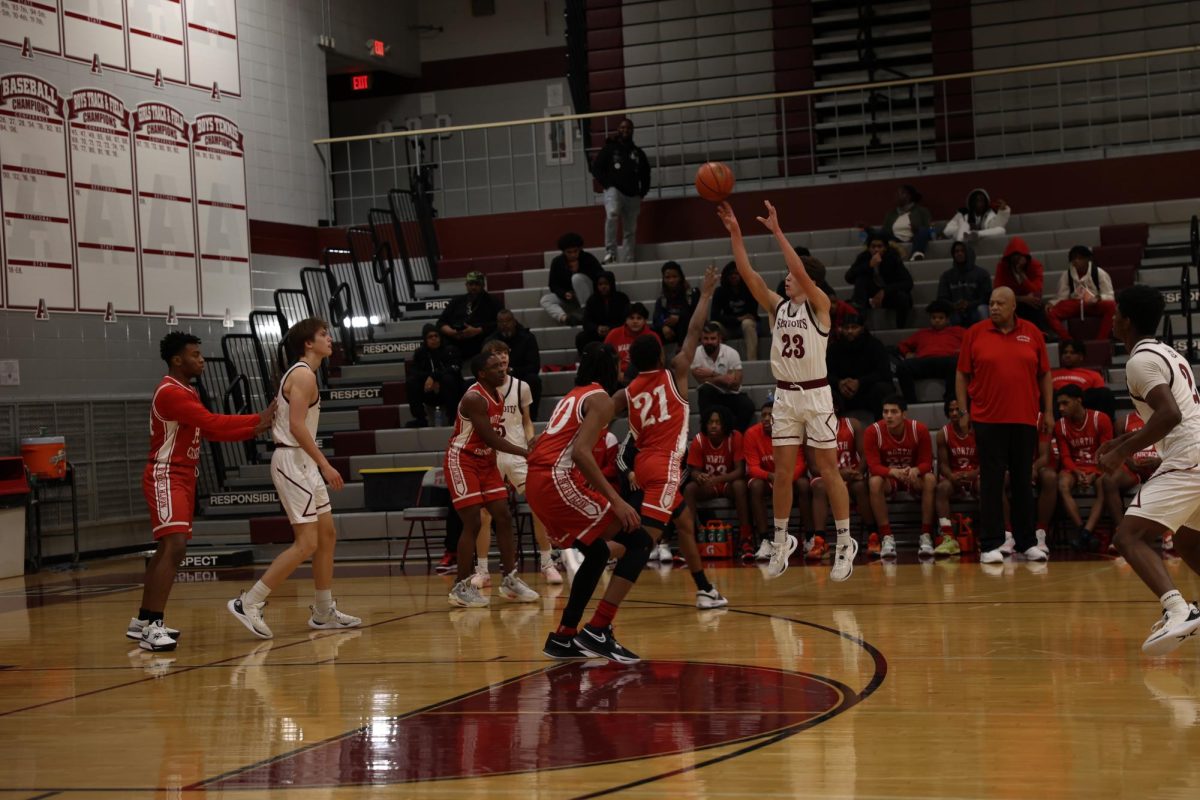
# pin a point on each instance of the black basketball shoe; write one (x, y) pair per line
(600, 643)
(561, 647)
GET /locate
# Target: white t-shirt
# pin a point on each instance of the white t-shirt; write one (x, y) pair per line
(1152, 364)
(516, 396)
(902, 228)
(727, 361)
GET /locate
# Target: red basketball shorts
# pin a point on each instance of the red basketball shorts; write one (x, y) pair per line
(567, 506)
(473, 480)
(659, 476)
(170, 493)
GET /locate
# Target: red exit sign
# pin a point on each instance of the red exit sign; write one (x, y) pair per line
(360, 83)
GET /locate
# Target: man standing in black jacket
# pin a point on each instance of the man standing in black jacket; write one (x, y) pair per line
(860, 372)
(434, 378)
(470, 318)
(525, 359)
(622, 169)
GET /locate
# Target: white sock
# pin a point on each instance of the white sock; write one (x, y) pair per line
(257, 594)
(842, 526)
(781, 530)
(1173, 601)
(1040, 532)
(322, 600)
(546, 558)
(483, 566)
(944, 522)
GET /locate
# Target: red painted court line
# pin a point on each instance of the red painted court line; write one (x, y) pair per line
(107, 23)
(182, 670)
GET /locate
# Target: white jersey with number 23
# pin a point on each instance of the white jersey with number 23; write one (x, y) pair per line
(797, 343)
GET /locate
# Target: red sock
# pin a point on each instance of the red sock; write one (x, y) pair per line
(563, 630)
(604, 615)
(885, 530)
(947, 530)
(926, 527)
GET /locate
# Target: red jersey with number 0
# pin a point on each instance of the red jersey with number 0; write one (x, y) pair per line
(658, 416)
(466, 439)
(1078, 445)
(703, 455)
(555, 444)
(963, 456)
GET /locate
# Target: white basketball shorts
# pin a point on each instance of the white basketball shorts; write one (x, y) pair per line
(513, 469)
(299, 484)
(804, 417)
(1171, 498)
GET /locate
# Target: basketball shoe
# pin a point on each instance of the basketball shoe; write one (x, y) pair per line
(662, 553)
(1010, 544)
(816, 548)
(780, 553)
(561, 647)
(550, 573)
(1172, 630)
(925, 546)
(480, 579)
(136, 626)
(465, 595)
(710, 599)
(873, 545)
(156, 639)
(888, 548)
(332, 619)
(843, 560)
(250, 615)
(600, 643)
(765, 548)
(948, 546)
(514, 589)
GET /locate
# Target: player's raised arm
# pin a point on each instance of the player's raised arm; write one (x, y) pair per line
(766, 298)
(817, 298)
(682, 362)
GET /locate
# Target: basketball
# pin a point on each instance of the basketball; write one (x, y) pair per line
(714, 181)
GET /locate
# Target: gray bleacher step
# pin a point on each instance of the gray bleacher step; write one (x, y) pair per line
(365, 373)
(332, 421)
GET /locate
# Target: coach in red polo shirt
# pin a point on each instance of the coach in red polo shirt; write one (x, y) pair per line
(1004, 369)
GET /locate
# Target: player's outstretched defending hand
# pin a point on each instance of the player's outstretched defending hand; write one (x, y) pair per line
(711, 279)
(728, 218)
(771, 221)
(266, 417)
(630, 520)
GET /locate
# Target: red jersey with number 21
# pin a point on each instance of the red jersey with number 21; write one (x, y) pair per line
(658, 416)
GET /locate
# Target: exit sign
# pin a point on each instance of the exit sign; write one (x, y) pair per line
(360, 83)
(378, 48)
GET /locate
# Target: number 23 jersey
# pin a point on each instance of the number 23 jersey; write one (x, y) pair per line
(797, 343)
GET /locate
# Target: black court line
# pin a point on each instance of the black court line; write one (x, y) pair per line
(849, 702)
(44, 796)
(182, 670)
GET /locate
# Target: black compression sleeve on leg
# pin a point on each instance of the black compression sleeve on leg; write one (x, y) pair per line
(637, 552)
(587, 577)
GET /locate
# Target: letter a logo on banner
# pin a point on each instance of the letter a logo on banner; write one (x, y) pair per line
(110, 315)
(42, 313)
(172, 317)
(216, 92)
(26, 49)
(97, 69)
(158, 81)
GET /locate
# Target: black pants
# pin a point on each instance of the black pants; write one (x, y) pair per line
(740, 406)
(868, 398)
(449, 393)
(895, 298)
(910, 370)
(1005, 448)
(1035, 314)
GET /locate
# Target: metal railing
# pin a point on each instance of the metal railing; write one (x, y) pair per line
(1078, 108)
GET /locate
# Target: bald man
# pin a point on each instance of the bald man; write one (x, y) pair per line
(1004, 372)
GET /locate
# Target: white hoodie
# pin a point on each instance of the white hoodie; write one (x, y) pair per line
(993, 223)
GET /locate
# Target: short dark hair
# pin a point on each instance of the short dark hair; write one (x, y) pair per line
(939, 307)
(639, 309)
(671, 265)
(768, 403)
(1078, 345)
(301, 334)
(877, 237)
(1079, 250)
(598, 363)
(815, 268)
(895, 400)
(495, 346)
(479, 362)
(712, 326)
(1070, 390)
(802, 251)
(174, 343)
(569, 240)
(946, 405)
(1143, 306)
(645, 352)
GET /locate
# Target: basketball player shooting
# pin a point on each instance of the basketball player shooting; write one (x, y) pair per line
(803, 410)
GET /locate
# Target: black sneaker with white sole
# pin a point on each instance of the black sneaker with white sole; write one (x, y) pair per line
(600, 643)
(561, 647)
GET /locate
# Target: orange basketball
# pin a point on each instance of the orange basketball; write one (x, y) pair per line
(714, 181)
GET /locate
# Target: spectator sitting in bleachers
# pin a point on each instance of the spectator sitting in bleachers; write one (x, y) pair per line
(908, 222)
(470, 318)
(1080, 433)
(958, 472)
(931, 353)
(621, 338)
(573, 275)
(717, 368)
(433, 378)
(1071, 372)
(760, 471)
(978, 219)
(852, 465)
(717, 468)
(1084, 290)
(605, 311)
(966, 286)
(1020, 271)
(525, 357)
(1138, 469)
(735, 308)
(860, 372)
(899, 459)
(881, 280)
(675, 303)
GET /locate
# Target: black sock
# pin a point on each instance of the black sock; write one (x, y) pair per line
(701, 580)
(587, 578)
(146, 615)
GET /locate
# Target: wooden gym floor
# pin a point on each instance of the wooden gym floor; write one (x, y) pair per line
(935, 680)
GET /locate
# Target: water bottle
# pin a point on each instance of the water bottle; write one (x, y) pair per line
(439, 417)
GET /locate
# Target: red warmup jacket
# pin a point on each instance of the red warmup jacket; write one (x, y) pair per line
(178, 420)
(928, 343)
(1034, 272)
